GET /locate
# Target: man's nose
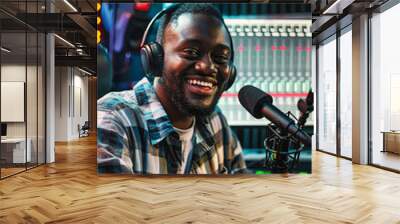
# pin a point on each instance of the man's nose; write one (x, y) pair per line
(206, 65)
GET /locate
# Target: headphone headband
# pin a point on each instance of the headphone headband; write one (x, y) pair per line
(152, 54)
(169, 10)
(154, 19)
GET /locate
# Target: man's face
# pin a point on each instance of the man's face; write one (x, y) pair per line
(196, 58)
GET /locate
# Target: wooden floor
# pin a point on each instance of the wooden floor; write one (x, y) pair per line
(10, 171)
(70, 191)
(387, 159)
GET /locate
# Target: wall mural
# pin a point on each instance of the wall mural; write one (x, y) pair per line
(204, 88)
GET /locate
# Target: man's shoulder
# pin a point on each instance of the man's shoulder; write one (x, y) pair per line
(141, 94)
(119, 109)
(118, 100)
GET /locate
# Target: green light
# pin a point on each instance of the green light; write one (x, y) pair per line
(263, 172)
(304, 173)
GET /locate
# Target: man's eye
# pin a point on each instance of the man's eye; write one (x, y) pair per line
(221, 59)
(192, 52)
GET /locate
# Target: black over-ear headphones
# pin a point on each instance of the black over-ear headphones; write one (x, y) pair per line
(152, 54)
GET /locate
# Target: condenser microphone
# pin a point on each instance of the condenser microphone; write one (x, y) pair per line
(259, 104)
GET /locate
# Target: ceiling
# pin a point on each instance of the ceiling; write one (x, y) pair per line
(75, 22)
(332, 15)
(72, 20)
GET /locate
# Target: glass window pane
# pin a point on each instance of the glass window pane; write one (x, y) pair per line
(32, 85)
(346, 94)
(31, 97)
(23, 85)
(327, 97)
(13, 87)
(385, 83)
(15, 149)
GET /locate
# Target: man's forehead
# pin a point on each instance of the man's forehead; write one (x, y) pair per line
(193, 26)
(187, 18)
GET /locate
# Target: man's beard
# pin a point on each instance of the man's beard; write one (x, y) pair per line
(182, 103)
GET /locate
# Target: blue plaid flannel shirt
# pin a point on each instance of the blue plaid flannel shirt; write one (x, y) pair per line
(134, 135)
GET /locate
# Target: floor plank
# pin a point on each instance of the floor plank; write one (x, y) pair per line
(70, 191)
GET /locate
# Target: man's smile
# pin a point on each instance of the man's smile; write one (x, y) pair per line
(198, 85)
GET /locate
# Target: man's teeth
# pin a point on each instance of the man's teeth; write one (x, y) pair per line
(200, 83)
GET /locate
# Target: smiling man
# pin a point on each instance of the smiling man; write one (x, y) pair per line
(173, 125)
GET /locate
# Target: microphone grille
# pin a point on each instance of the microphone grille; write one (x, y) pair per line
(252, 100)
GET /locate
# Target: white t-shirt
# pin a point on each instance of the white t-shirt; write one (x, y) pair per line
(185, 136)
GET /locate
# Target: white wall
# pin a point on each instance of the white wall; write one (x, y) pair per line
(80, 110)
(14, 73)
(61, 103)
(12, 101)
(71, 94)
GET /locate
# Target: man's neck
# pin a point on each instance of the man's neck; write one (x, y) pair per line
(178, 119)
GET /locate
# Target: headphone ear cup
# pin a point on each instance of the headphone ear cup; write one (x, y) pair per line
(232, 76)
(152, 57)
